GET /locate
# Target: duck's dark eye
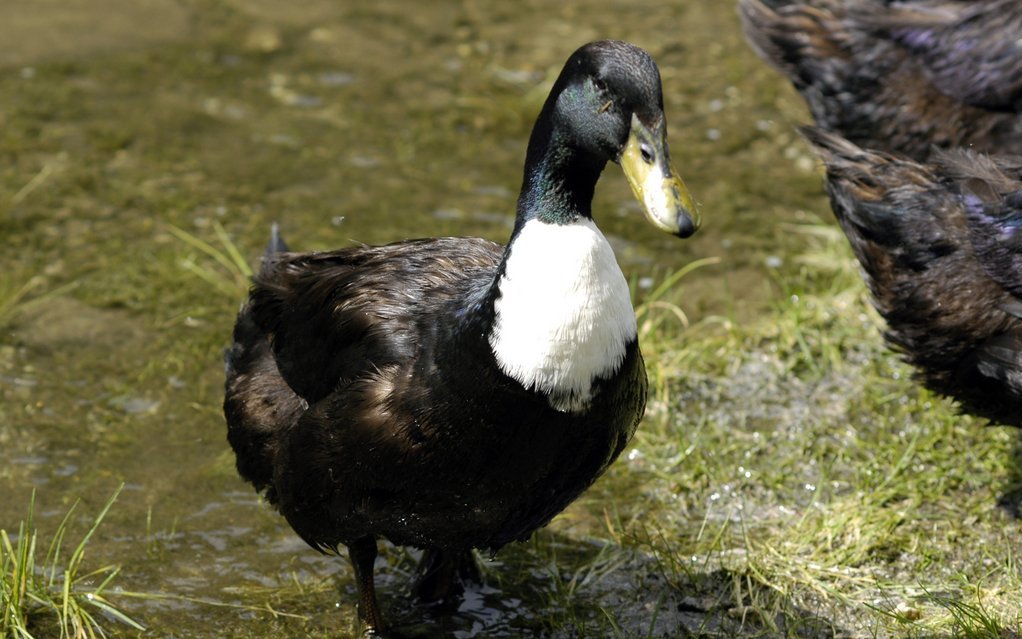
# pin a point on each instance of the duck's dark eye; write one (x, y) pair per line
(599, 84)
(647, 153)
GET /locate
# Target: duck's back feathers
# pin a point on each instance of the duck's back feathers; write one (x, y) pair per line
(884, 77)
(333, 316)
(991, 192)
(947, 298)
(970, 49)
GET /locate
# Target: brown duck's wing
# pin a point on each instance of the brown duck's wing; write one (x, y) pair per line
(899, 218)
(339, 315)
(907, 229)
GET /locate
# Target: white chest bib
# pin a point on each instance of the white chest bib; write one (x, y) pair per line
(564, 316)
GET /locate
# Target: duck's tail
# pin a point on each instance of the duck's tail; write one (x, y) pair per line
(276, 243)
(274, 248)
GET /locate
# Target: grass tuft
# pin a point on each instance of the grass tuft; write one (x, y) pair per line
(17, 297)
(36, 592)
(224, 267)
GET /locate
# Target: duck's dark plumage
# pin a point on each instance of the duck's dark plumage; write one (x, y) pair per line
(969, 49)
(940, 246)
(349, 329)
(380, 391)
(901, 77)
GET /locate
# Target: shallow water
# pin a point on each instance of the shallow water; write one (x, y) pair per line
(345, 124)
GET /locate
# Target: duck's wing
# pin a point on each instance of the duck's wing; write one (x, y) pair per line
(335, 316)
(808, 44)
(971, 51)
(990, 188)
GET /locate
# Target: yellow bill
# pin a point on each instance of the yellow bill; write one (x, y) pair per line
(656, 184)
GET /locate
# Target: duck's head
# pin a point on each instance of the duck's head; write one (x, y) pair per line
(608, 104)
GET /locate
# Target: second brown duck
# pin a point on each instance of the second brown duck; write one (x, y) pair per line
(940, 246)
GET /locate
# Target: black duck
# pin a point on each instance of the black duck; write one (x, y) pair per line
(453, 393)
(940, 246)
(902, 77)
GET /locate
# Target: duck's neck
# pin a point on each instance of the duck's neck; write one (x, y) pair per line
(559, 180)
(562, 317)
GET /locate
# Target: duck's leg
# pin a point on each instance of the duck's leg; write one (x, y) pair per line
(363, 555)
(445, 573)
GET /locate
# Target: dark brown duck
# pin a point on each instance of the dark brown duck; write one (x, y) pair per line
(901, 77)
(940, 246)
(453, 393)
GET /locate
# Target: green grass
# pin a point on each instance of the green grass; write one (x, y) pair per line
(795, 454)
(790, 480)
(20, 296)
(40, 592)
(224, 268)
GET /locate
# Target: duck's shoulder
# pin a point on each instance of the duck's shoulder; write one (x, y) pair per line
(336, 315)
